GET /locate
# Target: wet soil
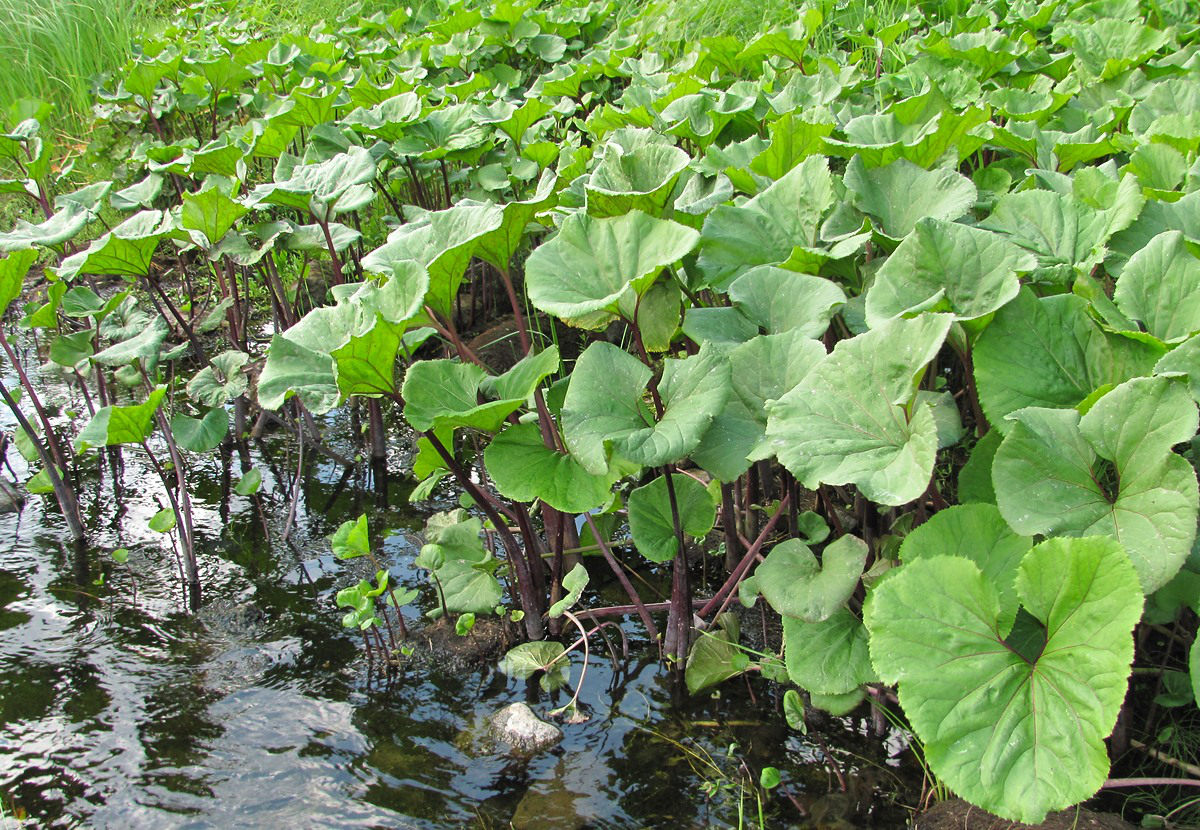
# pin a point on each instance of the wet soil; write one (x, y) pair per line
(957, 814)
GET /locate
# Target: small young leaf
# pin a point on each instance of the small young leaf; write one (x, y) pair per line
(249, 483)
(574, 582)
(163, 521)
(464, 624)
(351, 540)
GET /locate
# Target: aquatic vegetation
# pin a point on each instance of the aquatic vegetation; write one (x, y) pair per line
(916, 335)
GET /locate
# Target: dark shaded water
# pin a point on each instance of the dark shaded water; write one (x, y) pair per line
(117, 709)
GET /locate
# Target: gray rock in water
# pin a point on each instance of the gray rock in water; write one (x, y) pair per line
(517, 726)
(11, 498)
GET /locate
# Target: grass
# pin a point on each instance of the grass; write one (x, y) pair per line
(54, 49)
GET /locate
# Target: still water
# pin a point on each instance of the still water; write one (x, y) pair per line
(120, 710)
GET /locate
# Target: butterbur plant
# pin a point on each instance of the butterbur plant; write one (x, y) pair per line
(373, 606)
(900, 317)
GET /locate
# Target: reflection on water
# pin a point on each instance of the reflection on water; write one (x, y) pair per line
(119, 710)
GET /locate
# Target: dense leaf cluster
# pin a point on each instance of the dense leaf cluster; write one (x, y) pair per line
(959, 297)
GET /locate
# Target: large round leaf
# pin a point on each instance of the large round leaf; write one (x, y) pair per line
(828, 657)
(445, 393)
(523, 468)
(900, 194)
(847, 421)
(201, 434)
(640, 178)
(590, 262)
(977, 532)
(797, 585)
(443, 242)
(1049, 352)
(780, 301)
(763, 368)
(1110, 472)
(605, 408)
(945, 266)
(1160, 285)
(1018, 736)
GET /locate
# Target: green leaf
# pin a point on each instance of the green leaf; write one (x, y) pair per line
(575, 581)
(201, 434)
(140, 194)
(221, 382)
(604, 409)
(249, 483)
(900, 194)
(444, 393)
(590, 263)
(469, 588)
(1049, 352)
(1020, 738)
(298, 361)
(1064, 234)
(127, 250)
(366, 363)
(793, 711)
(39, 484)
(650, 518)
(977, 532)
(13, 269)
(799, 586)
(1160, 286)
(113, 425)
(769, 778)
(318, 186)
(519, 382)
(770, 228)
(945, 266)
(60, 227)
(523, 468)
(163, 521)
(211, 213)
(714, 656)
(72, 350)
(143, 346)
(351, 540)
(846, 422)
(827, 657)
(640, 178)
(1106, 47)
(1111, 471)
(782, 301)
(527, 659)
(443, 242)
(464, 624)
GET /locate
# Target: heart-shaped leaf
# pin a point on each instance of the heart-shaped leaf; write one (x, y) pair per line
(651, 522)
(1023, 736)
(797, 585)
(853, 419)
